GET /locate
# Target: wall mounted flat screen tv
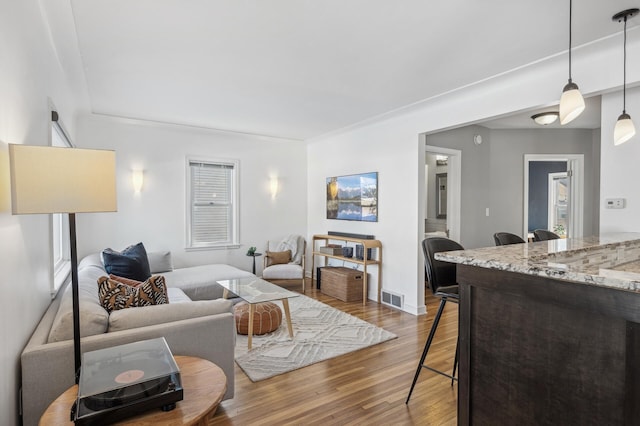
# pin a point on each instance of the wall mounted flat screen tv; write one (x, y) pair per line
(353, 197)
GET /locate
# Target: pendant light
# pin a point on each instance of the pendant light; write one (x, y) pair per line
(571, 101)
(624, 129)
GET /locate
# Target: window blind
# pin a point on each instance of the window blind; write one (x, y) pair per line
(212, 207)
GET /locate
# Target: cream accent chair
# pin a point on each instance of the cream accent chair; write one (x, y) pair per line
(292, 272)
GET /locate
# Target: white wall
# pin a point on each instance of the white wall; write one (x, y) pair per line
(475, 186)
(156, 216)
(31, 72)
(391, 146)
(620, 173)
(508, 148)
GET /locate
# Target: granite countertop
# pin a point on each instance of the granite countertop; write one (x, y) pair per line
(609, 260)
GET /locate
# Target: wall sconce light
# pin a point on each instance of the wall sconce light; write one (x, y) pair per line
(624, 129)
(273, 186)
(545, 118)
(137, 179)
(571, 101)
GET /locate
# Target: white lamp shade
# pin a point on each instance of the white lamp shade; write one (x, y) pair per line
(47, 179)
(624, 129)
(571, 105)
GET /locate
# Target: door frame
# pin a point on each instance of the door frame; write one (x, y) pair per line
(575, 168)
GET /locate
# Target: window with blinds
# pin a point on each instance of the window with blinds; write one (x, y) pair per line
(212, 204)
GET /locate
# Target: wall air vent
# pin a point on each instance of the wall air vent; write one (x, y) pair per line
(392, 299)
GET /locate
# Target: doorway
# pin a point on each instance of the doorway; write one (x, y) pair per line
(558, 203)
(442, 190)
(554, 194)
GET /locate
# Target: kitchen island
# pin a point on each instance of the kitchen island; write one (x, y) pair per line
(550, 332)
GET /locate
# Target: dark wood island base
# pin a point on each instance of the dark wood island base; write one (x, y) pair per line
(536, 350)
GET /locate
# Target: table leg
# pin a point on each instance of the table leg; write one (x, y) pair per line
(225, 293)
(365, 286)
(287, 314)
(252, 309)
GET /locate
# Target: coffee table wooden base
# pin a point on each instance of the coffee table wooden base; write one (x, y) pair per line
(287, 315)
(204, 385)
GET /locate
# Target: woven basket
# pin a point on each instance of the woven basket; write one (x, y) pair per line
(342, 283)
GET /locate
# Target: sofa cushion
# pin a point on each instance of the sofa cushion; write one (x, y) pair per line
(159, 314)
(199, 282)
(127, 281)
(175, 295)
(160, 261)
(115, 295)
(93, 318)
(131, 262)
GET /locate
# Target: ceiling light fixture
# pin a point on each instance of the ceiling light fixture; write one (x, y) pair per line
(571, 101)
(545, 118)
(624, 129)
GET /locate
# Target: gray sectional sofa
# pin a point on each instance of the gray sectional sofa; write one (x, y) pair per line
(196, 322)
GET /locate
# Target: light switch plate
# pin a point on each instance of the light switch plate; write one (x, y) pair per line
(615, 203)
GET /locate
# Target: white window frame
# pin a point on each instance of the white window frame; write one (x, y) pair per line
(233, 241)
(59, 222)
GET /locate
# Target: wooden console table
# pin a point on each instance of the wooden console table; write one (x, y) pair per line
(367, 244)
(204, 385)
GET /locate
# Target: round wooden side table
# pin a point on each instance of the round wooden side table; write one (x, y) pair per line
(203, 383)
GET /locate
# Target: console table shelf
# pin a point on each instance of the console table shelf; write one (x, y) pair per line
(367, 244)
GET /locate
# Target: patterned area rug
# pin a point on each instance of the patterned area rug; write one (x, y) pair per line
(320, 332)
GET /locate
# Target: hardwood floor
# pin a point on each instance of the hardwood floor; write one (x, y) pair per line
(368, 386)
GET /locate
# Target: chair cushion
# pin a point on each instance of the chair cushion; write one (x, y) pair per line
(295, 243)
(279, 257)
(283, 272)
(131, 262)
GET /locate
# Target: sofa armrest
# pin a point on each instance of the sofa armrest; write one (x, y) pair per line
(48, 369)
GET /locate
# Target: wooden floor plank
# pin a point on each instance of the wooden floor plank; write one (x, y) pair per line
(368, 386)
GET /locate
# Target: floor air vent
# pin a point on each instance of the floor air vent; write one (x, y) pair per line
(392, 299)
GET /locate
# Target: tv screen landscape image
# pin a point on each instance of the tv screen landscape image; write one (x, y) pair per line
(353, 197)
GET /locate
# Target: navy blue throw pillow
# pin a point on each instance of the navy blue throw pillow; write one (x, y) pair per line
(131, 262)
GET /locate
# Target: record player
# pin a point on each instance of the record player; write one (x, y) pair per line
(122, 381)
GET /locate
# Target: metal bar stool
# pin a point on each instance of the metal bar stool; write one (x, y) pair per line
(442, 281)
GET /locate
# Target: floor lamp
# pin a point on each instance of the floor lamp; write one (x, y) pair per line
(47, 179)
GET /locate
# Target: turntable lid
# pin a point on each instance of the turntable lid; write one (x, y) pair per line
(125, 365)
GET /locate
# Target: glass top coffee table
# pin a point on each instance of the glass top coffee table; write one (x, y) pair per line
(255, 290)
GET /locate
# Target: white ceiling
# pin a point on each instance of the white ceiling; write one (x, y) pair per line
(302, 68)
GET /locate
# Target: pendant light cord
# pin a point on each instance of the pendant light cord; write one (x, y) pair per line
(624, 70)
(570, 14)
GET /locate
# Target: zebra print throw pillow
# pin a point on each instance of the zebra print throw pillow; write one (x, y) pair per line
(115, 295)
